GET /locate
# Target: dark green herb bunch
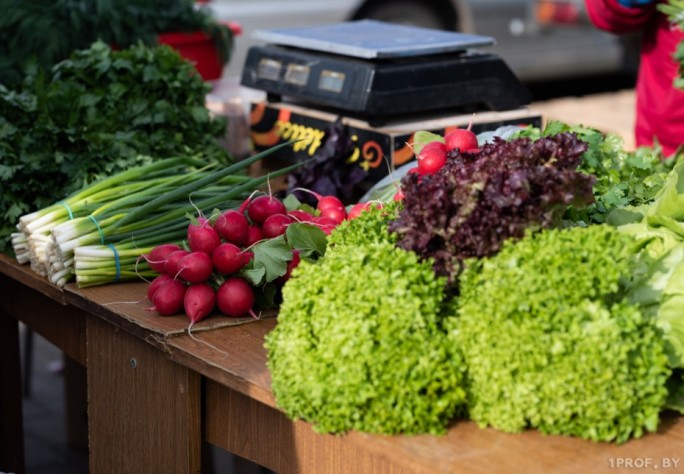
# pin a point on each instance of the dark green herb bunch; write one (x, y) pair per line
(95, 114)
(623, 178)
(48, 31)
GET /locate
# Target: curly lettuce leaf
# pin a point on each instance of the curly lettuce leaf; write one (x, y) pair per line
(359, 344)
(551, 341)
(658, 282)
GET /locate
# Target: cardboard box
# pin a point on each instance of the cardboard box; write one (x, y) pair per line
(377, 149)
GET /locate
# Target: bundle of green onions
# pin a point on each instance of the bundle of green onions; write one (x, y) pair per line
(97, 235)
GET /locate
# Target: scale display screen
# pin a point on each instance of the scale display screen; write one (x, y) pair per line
(269, 69)
(297, 74)
(332, 81)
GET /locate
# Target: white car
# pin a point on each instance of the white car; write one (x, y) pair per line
(538, 39)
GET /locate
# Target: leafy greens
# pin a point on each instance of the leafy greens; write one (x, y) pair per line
(623, 178)
(552, 342)
(359, 344)
(100, 112)
(478, 200)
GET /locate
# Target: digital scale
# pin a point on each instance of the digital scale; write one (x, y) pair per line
(380, 71)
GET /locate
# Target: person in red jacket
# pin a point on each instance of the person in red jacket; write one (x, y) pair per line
(659, 105)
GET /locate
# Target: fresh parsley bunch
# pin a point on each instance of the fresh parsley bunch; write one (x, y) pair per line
(93, 115)
(623, 178)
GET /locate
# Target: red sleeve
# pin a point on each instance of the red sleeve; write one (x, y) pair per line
(610, 16)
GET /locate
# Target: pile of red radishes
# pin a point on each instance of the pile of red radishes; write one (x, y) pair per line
(433, 155)
(204, 274)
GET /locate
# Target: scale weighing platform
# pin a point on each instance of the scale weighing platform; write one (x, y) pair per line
(379, 71)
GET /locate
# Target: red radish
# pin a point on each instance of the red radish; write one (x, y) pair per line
(243, 207)
(327, 202)
(233, 227)
(430, 147)
(168, 299)
(301, 216)
(276, 224)
(398, 196)
(158, 255)
(463, 139)
(156, 283)
(263, 206)
(323, 220)
(296, 258)
(247, 256)
(358, 208)
(327, 229)
(203, 238)
(337, 214)
(199, 301)
(172, 261)
(324, 202)
(195, 267)
(326, 224)
(431, 158)
(254, 235)
(235, 298)
(228, 258)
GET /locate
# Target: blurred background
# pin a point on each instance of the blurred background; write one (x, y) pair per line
(576, 73)
(539, 39)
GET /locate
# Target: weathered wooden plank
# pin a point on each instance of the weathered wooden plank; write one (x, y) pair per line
(144, 410)
(263, 434)
(23, 273)
(62, 325)
(234, 357)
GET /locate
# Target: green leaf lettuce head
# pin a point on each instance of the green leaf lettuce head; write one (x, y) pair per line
(658, 283)
(359, 344)
(551, 342)
(372, 225)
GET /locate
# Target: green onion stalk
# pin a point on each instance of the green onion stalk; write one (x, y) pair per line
(21, 247)
(30, 243)
(122, 260)
(106, 246)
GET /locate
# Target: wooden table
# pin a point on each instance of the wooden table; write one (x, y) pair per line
(154, 394)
